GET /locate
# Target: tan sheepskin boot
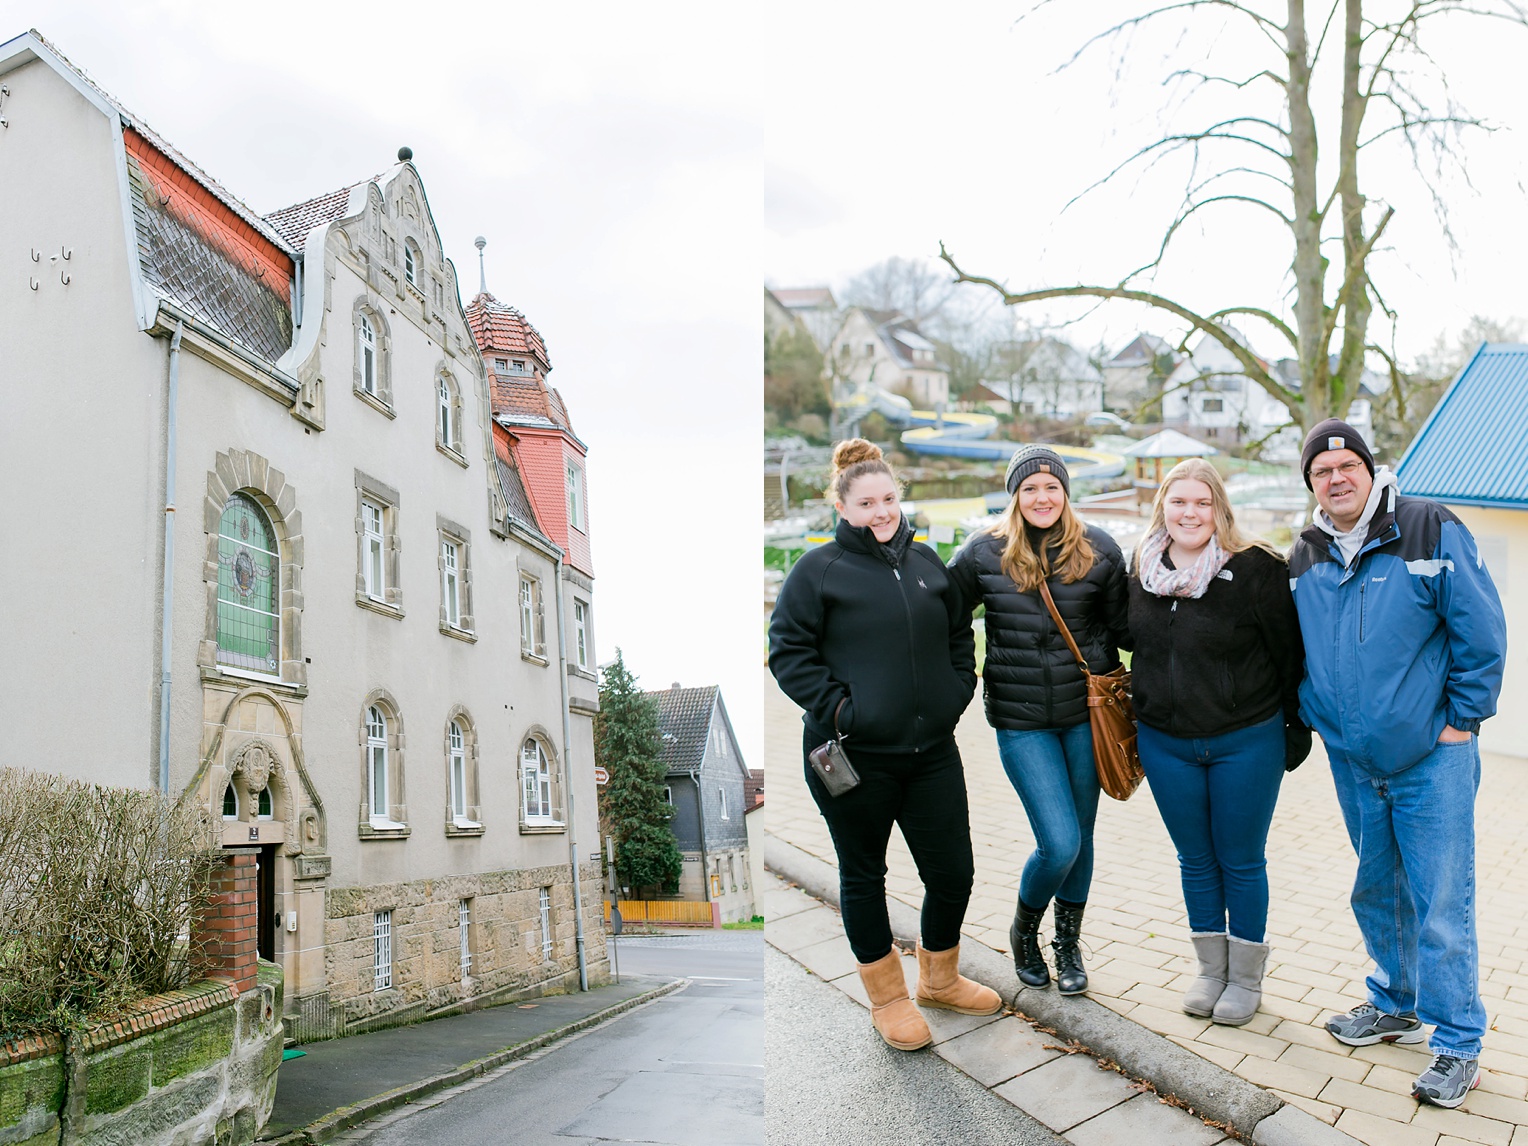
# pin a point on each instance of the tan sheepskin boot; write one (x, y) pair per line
(892, 1012)
(940, 984)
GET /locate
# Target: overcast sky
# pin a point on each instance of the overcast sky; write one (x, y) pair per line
(926, 123)
(613, 163)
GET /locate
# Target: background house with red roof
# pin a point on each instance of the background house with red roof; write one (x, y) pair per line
(347, 556)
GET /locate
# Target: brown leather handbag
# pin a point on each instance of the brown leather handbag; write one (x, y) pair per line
(1112, 717)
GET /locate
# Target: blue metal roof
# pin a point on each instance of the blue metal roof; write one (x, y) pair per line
(1473, 448)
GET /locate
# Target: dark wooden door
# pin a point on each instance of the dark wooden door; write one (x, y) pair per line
(265, 900)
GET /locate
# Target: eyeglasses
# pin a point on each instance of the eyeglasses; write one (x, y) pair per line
(1346, 469)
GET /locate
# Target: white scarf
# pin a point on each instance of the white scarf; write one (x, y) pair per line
(1159, 580)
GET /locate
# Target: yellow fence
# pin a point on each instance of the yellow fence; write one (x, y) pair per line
(685, 912)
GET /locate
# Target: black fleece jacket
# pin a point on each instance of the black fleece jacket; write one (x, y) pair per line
(1031, 679)
(1227, 660)
(882, 625)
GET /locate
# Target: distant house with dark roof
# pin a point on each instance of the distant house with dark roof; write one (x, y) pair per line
(282, 571)
(708, 786)
(885, 349)
(1472, 455)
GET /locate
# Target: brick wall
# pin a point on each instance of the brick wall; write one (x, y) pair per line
(227, 930)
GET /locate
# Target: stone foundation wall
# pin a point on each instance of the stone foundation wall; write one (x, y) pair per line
(427, 980)
(196, 1065)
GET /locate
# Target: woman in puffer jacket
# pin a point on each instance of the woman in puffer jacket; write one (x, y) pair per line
(870, 638)
(1035, 692)
(1216, 675)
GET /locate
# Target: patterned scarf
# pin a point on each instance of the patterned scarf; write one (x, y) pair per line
(1158, 579)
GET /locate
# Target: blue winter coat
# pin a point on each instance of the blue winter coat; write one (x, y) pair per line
(1409, 638)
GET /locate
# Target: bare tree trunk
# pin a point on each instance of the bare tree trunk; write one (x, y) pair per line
(1356, 305)
(1309, 268)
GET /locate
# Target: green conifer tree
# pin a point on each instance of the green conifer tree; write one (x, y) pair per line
(626, 745)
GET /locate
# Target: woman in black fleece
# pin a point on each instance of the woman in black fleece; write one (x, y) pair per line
(870, 639)
(1216, 677)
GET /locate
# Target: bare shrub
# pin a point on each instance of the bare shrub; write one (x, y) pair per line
(99, 890)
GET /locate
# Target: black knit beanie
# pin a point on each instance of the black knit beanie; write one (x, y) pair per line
(1333, 434)
(1030, 460)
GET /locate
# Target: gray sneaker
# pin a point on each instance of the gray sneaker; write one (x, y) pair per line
(1447, 1081)
(1366, 1025)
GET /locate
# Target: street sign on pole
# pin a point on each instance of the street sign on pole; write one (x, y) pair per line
(601, 775)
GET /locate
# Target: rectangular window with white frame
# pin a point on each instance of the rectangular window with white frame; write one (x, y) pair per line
(575, 479)
(372, 550)
(722, 795)
(582, 646)
(455, 560)
(532, 619)
(377, 576)
(382, 950)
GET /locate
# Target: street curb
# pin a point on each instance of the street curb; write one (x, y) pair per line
(323, 1129)
(1213, 1092)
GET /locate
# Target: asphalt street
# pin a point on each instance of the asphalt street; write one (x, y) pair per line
(830, 1079)
(684, 1070)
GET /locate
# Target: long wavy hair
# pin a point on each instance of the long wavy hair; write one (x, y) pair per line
(1028, 568)
(1227, 532)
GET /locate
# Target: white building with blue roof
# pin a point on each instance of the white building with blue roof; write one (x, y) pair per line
(1472, 455)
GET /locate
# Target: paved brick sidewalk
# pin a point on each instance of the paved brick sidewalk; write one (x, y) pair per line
(1067, 1092)
(1141, 958)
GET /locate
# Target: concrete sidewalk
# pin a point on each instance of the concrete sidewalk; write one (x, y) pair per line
(1140, 958)
(344, 1082)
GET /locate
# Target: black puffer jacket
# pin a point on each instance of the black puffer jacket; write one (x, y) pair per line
(1031, 680)
(882, 625)
(1227, 660)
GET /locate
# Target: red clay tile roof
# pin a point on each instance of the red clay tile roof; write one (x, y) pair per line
(504, 329)
(295, 222)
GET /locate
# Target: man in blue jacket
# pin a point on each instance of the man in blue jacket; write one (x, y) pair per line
(1405, 641)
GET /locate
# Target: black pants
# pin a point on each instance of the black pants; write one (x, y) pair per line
(923, 793)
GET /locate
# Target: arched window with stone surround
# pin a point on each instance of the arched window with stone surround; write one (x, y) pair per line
(366, 353)
(376, 762)
(249, 587)
(541, 803)
(384, 815)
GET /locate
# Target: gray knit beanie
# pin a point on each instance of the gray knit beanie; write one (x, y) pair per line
(1030, 460)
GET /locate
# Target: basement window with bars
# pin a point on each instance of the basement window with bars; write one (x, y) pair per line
(546, 923)
(382, 950)
(464, 934)
(249, 576)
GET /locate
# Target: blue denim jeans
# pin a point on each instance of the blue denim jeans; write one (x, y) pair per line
(1052, 771)
(1216, 795)
(1414, 896)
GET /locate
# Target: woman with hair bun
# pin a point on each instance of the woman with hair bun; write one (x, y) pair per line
(1216, 678)
(1036, 694)
(870, 638)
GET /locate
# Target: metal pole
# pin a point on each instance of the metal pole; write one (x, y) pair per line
(567, 780)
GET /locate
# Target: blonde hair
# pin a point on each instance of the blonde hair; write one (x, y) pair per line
(1028, 568)
(852, 460)
(1227, 532)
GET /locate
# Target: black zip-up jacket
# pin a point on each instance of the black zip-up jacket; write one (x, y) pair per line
(1227, 660)
(1031, 679)
(883, 626)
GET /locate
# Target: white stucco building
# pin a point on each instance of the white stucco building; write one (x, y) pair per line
(323, 642)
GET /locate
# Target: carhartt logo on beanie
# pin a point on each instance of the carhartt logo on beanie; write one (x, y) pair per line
(1333, 434)
(1030, 460)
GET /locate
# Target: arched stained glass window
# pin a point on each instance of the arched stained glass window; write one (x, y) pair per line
(249, 575)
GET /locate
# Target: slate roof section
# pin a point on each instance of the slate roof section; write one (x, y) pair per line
(225, 196)
(684, 722)
(1472, 448)
(296, 222)
(516, 500)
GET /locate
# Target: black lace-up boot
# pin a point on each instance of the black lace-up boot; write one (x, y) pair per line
(1071, 976)
(1024, 938)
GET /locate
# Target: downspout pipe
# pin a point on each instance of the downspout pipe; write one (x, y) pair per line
(168, 600)
(567, 781)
